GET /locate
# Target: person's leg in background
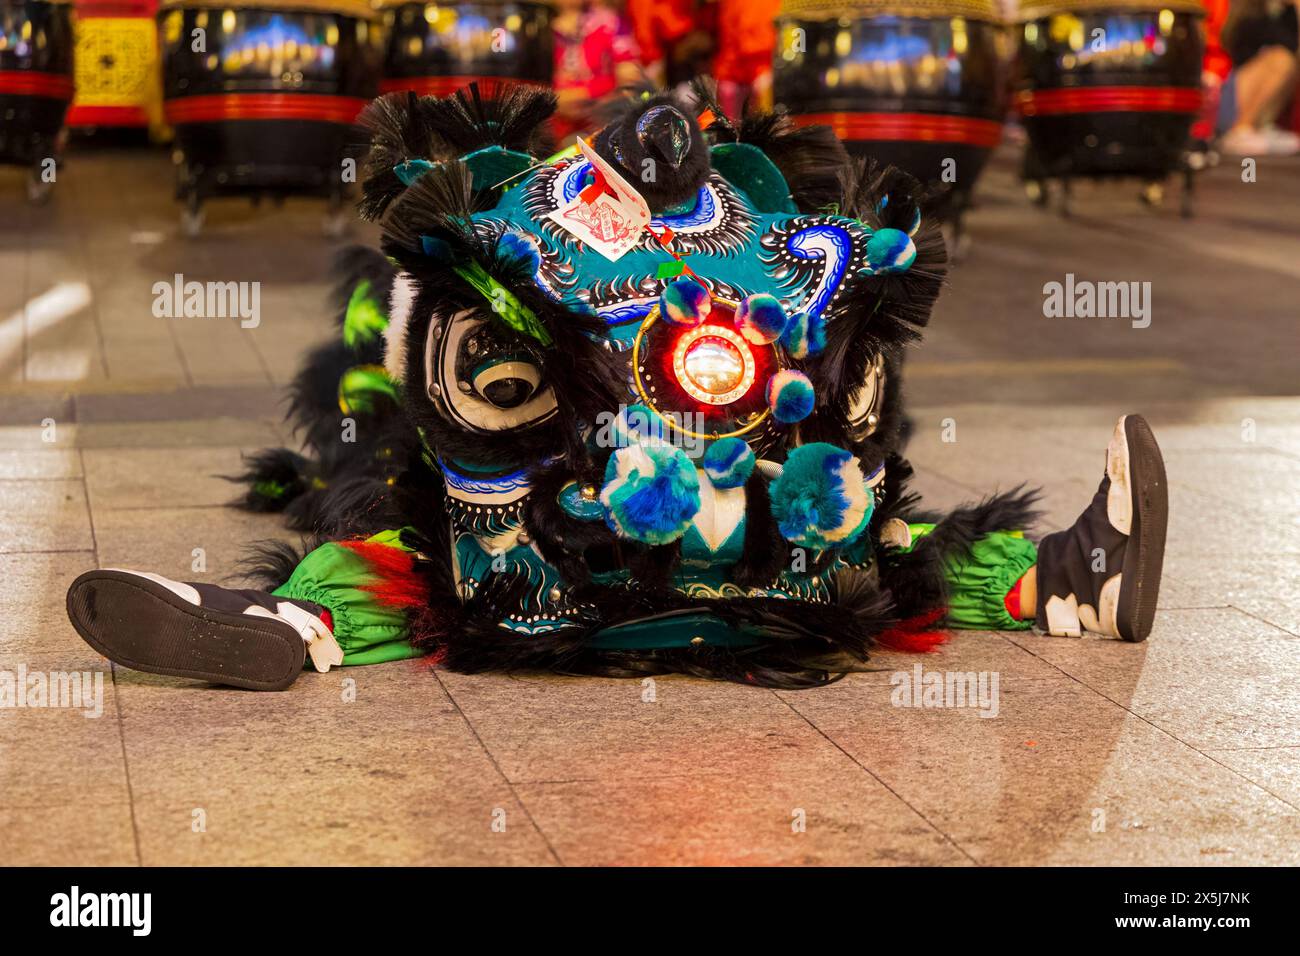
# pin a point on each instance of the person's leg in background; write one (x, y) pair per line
(1263, 49)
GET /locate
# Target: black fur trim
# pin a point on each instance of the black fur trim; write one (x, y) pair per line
(399, 128)
(766, 553)
(269, 564)
(796, 631)
(279, 466)
(562, 540)
(511, 115)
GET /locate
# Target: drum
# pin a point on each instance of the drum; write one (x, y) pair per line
(1109, 87)
(918, 84)
(264, 98)
(117, 66)
(437, 48)
(36, 85)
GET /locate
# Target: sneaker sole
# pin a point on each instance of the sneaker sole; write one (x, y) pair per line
(142, 625)
(1145, 554)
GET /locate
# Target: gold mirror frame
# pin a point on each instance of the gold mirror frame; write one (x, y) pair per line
(651, 318)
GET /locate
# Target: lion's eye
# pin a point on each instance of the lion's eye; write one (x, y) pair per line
(865, 403)
(485, 382)
(507, 381)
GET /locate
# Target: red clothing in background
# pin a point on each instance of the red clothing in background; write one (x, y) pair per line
(1216, 60)
(746, 39)
(658, 24)
(586, 63)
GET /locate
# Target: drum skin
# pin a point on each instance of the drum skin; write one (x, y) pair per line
(436, 49)
(924, 93)
(271, 101)
(1109, 92)
(36, 79)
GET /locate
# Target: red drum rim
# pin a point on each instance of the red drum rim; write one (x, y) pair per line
(83, 115)
(445, 85)
(54, 86)
(1109, 99)
(907, 127)
(219, 107)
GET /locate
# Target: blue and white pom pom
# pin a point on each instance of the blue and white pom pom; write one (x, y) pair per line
(790, 395)
(820, 500)
(890, 251)
(805, 335)
(729, 462)
(651, 493)
(635, 424)
(685, 302)
(760, 318)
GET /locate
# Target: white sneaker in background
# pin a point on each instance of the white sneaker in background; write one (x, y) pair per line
(1281, 142)
(1244, 141)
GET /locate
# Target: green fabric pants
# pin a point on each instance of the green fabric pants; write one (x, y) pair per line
(336, 578)
(978, 583)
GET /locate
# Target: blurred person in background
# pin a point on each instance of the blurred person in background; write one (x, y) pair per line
(746, 43)
(676, 38)
(1260, 37)
(595, 54)
(1216, 65)
(659, 26)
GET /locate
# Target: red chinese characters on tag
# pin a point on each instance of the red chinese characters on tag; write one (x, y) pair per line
(609, 215)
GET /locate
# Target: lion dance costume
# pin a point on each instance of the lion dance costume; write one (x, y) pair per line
(626, 411)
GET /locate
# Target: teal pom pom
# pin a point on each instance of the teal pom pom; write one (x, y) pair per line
(729, 462)
(890, 250)
(685, 302)
(760, 318)
(805, 335)
(790, 395)
(821, 500)
(651, 493)
(635, 424)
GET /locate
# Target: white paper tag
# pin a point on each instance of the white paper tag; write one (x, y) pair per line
(612, 225)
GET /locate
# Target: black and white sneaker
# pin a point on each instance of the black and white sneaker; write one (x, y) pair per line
(241, 638)
(1103, 574)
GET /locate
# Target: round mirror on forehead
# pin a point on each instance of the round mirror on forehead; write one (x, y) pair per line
(705, 381)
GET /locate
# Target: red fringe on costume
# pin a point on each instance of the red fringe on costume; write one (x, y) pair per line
(399, 585)
(917, 635)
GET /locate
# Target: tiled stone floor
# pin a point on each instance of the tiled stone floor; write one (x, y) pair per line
(1183, 750)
